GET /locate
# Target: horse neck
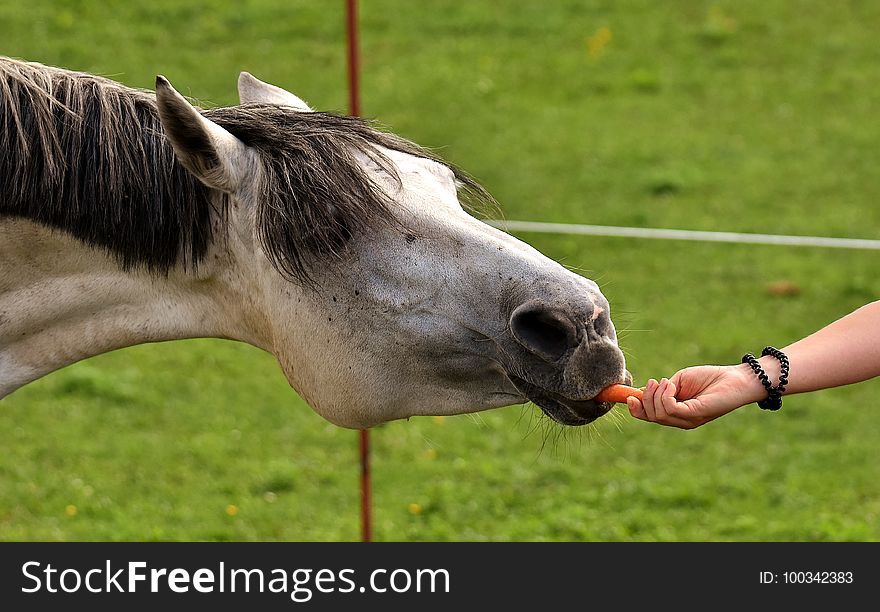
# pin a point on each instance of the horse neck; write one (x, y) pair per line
(61, 301)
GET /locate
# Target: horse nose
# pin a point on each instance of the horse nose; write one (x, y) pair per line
(544, 330)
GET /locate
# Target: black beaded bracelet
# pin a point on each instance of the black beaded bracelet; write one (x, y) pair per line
(774, 394)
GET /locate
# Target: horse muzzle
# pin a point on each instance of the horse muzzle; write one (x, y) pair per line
(567, 354)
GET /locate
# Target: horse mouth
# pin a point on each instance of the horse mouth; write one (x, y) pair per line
(561, 409)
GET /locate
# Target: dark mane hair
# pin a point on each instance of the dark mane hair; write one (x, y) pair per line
(87, 156)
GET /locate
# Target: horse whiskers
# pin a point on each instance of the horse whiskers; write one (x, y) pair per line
(478, 419)
(579, 270)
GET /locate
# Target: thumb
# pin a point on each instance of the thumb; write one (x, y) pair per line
(676, 378)
(671, 390)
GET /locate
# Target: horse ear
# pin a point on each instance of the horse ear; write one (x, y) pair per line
(213, 155)
(252, 89)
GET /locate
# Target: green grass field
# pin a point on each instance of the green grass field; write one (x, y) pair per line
(747, 116)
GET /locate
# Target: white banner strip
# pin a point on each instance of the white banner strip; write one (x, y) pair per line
(676, 234)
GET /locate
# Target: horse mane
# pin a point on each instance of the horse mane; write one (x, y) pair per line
(87, 156)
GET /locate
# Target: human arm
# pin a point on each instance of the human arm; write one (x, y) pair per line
(844, 352)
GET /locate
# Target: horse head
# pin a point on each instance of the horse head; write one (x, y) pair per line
(429, 311)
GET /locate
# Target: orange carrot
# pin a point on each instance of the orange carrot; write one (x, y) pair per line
(618, 394)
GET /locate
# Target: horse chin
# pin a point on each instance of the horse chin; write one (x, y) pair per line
(561, 409)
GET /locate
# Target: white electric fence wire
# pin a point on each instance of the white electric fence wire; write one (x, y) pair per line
(677, 234)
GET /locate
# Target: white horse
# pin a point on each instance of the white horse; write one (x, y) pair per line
(128, 217)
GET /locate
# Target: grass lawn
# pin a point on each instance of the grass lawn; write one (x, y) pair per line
(744, 116)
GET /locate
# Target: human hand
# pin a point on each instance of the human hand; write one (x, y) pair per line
(694, 396)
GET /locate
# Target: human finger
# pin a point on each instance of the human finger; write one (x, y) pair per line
(636, 408)
(666, 408)
(657, 399)
(648, 399)
(668, 403)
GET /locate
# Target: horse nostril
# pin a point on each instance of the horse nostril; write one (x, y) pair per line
(545, 332)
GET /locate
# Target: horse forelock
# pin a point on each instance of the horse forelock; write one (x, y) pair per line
(86, 155)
